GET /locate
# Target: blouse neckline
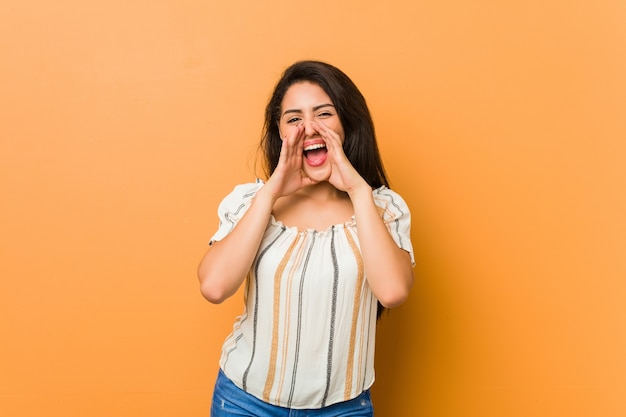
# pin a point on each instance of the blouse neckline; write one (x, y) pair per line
(348, 223)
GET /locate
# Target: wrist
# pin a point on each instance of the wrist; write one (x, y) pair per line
(265, 197)
(361, 191)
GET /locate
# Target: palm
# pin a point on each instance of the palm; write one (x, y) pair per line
(343, 175)
(288, 176)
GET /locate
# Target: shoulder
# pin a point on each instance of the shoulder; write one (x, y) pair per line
(248, 188)
(244, 191)
(233, 206)
(396, 215)
(240, 197)
(388, 199)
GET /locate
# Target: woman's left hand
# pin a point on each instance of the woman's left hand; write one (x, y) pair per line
(343, 175)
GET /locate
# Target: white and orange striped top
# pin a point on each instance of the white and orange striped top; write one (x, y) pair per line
(306, 336)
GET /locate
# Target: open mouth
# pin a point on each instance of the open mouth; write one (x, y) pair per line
(315, 152)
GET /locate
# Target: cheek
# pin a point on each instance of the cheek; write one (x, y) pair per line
(338, 128)
(341, 133)
(285, 130)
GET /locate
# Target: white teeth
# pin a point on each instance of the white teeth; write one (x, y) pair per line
(316, 146)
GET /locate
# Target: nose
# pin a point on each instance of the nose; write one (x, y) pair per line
(308, 128)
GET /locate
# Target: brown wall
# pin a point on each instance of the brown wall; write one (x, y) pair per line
(123, 123)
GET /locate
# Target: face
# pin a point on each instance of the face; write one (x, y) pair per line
(303, 104)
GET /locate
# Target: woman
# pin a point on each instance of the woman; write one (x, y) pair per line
(320, 245)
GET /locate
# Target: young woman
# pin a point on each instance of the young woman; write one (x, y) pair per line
(321, 245)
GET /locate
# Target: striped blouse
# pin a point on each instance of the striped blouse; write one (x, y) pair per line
(306, 336)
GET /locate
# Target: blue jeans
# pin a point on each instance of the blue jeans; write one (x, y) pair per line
(230, 400)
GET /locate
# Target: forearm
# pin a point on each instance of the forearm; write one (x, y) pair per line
(226, 264)
(387, 267)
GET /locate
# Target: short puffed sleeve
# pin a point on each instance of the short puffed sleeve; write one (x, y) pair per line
(397, 217)
(233, 207)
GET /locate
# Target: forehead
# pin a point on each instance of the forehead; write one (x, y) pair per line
(303, 95)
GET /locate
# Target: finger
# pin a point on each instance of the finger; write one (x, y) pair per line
(299, 139)
(330, 136)
(292, 145)
(296, 141)
(333, 142)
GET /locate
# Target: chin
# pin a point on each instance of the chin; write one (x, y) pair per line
(318, 174)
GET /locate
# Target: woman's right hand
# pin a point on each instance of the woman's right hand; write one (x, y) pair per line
(289, 177)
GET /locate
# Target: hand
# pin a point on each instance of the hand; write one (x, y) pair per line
(343, 175)
(288, 177)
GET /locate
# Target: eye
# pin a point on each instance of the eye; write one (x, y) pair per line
(324, 114)
(293, 120)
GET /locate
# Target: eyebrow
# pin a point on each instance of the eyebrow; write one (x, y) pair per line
(316, 108)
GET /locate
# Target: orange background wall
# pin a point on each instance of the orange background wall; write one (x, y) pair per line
(123, 124)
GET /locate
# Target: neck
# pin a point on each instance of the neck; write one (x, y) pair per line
(322, 191)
